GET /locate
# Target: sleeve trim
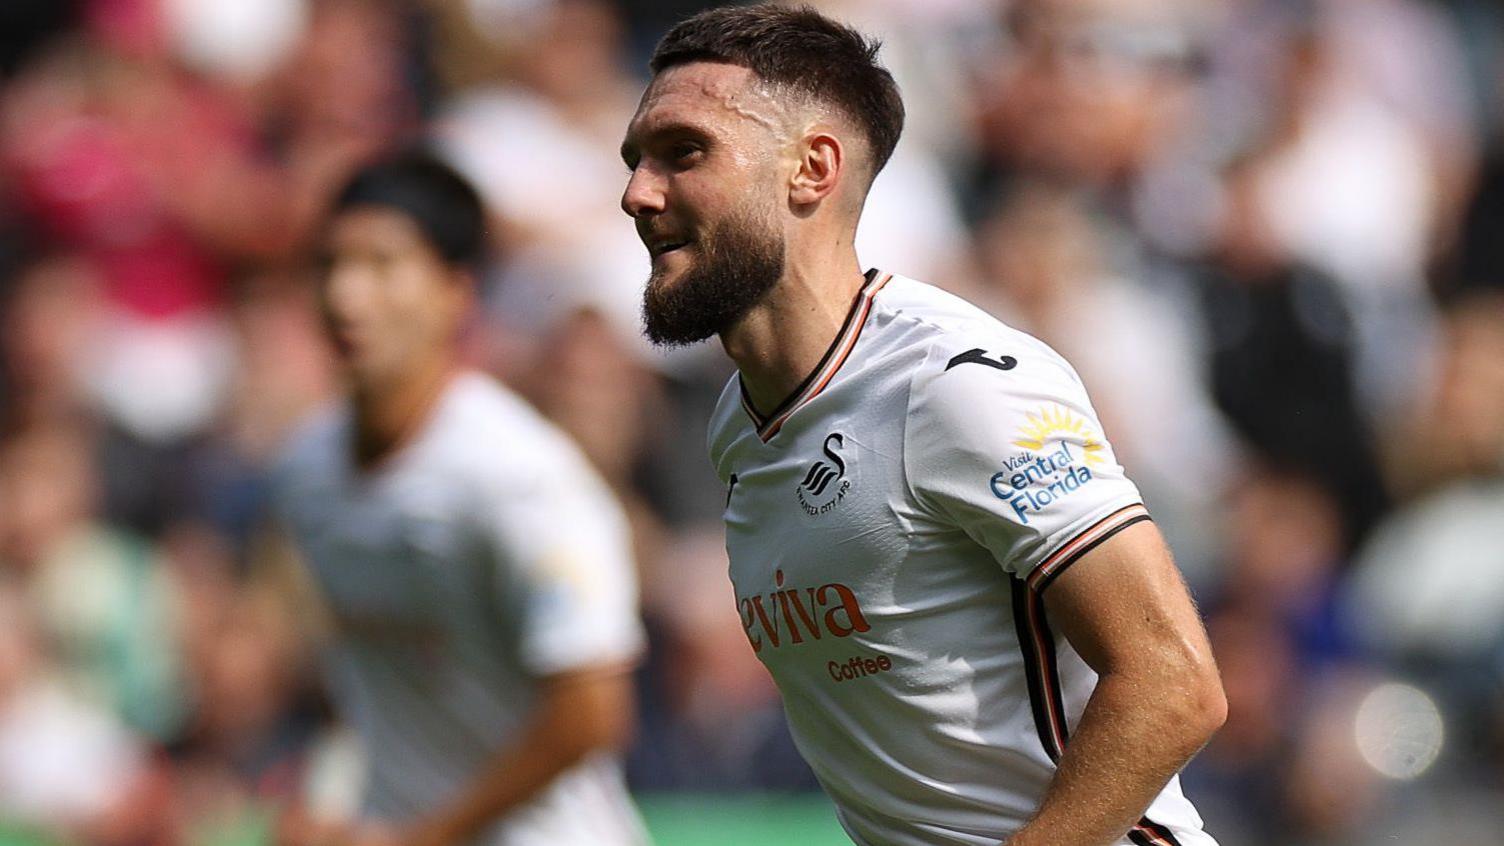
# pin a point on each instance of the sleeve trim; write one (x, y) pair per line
(1071, 551)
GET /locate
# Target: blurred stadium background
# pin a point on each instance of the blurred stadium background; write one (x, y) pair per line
(1270, 234)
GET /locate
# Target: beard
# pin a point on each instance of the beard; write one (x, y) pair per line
(739, 261)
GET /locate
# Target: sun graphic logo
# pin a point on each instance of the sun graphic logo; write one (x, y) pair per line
(1056, 423)
(1041, 475)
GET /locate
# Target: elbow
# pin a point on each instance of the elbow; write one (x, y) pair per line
(1193, 708)
(1188, 701)
(1202, 706)
(1206, 706)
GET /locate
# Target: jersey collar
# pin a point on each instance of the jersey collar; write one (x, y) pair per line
(835, 356)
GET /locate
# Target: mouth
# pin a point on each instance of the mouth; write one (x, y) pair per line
(663, 247)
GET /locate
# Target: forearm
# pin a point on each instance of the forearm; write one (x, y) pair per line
(585, 718)
(1135, 733)
(510, 780)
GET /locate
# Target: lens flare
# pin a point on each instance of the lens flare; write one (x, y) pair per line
(1399, 731)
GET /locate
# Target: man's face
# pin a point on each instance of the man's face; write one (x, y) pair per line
(390, 302)
(706, 150)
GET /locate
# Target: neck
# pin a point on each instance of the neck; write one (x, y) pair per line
(778, 342)
(389, 415)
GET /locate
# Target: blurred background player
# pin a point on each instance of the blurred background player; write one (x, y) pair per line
(477, 571)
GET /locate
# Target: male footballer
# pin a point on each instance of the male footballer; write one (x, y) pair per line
(979, 635)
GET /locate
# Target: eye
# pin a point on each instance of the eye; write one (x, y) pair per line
(685, 153)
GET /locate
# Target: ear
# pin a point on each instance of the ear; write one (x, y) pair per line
(821, 166)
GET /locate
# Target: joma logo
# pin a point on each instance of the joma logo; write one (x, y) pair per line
(786, 616)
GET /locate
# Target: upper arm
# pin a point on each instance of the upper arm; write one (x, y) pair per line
(1124, 607)
(563, 549)
(594, 704)
(1014, 455)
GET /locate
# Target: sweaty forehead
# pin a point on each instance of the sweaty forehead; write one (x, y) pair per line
(720, 95)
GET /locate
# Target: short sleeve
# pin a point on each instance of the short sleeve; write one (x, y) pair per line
(1002, 443)
(563, 549)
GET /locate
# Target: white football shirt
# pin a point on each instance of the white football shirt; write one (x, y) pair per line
(891, 528)
(483, 556)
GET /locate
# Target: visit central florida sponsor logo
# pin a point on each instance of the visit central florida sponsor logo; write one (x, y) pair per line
(793, 615)
(825, 483)
(1060, 450)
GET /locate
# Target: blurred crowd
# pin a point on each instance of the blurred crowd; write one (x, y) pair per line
(1268, 233)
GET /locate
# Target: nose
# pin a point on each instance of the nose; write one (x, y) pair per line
(643, 194)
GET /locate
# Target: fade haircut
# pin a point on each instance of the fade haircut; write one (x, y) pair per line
(797, 48)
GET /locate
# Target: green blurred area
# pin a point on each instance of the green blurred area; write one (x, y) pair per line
(11, 835)
(680, 820)
(252, 827)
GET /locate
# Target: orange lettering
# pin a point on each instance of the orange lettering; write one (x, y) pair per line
(771, 630)
(809, 622)
(855, 622)
(746, 609)
(783, 600)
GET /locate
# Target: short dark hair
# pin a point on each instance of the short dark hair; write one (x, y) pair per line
(440, 201)
(797, 47)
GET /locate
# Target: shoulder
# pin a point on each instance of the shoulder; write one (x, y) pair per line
(971, 377)
(931, 305)
(493, 436)
(919, 314)
(962, 354)
(516, 475)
